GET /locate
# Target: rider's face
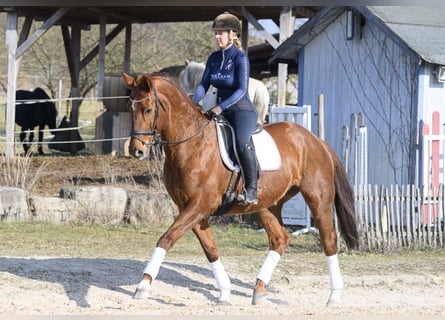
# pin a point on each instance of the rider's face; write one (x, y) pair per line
(222, 38)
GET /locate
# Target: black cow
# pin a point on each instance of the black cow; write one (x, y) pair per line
(29, 115)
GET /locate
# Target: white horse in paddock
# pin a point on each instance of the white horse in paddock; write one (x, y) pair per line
(190, 77)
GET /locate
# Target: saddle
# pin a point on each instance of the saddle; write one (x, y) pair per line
(267, 153)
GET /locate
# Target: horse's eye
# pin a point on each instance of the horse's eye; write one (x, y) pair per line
(147, 111)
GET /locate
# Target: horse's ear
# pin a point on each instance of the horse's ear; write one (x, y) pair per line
(187, 62)
(144, 83)
(129, 80)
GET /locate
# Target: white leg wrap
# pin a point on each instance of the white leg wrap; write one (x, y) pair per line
(220, 274)
(154, 265)
(334, 272)
(222, 280)
(269, 264)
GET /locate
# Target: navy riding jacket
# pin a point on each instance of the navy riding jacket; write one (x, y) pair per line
(228, 71)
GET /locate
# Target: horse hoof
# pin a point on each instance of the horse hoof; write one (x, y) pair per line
(142, 290)
(334, 298)
(224, 297)
(259, 298)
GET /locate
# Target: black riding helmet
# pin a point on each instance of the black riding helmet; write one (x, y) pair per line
(227, 21)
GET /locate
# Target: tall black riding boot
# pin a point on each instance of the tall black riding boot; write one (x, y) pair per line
(250, 175)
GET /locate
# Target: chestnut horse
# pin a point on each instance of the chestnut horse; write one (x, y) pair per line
(196, 180)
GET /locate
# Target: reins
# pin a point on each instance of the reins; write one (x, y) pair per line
(156, 136)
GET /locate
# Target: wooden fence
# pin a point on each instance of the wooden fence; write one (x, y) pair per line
(406, 216)
(394, 217)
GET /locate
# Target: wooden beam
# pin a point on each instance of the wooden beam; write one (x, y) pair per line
(95, 50)
(117, 15)
(127, 52)
(253, 21)
(25, 30)
(304, 12)
(68, 51)
(164, 3)
(41, 31)
(286, 29)
(245, 35)
(101, 57)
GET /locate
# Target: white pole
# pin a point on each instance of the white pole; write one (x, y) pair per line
(321, 116)
(11, 41)
(59, 99)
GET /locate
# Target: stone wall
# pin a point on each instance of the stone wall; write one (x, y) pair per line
(88, 204)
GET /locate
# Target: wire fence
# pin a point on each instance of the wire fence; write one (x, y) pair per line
(86, 127)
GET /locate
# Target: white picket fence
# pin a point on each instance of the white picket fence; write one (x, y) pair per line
(394, 217)
(389, 217)
(300, 115)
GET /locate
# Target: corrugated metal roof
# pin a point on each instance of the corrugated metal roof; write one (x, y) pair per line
(422, 29)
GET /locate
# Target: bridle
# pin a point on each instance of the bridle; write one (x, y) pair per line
(154, 132)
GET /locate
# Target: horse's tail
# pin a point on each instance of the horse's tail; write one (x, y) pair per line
(344, 205)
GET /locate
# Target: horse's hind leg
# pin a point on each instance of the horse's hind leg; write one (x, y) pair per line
(22, 140)
(204, 234)
(30, 141)
(278, 243)
(321, 206)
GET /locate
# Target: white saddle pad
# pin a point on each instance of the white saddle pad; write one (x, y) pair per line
(267, 153)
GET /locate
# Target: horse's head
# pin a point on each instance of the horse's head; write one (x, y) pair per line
(191, 76)
(144, 107)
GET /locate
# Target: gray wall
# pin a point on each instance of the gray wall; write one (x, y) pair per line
(371, 75)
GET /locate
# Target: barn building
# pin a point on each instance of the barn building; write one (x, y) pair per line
(74, 18)
(379, 68)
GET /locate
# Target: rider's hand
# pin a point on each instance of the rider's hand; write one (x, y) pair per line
(217, 110)
(213, 113)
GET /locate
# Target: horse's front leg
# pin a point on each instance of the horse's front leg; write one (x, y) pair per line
(204, 234)
(278, 243)
(40, 141)
(183, 223)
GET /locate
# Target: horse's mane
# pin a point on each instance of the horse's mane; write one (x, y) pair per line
(161, 74)
(179, 90)
(169, 79)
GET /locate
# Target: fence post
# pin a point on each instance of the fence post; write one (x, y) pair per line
(321, 116)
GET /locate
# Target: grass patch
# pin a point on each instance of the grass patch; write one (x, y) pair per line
(244, 246)
(87, 240)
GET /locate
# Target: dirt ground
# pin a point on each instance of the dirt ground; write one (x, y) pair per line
(45, 175)
(83, 286)
(79, 286)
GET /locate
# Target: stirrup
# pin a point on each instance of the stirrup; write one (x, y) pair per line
(244, 200)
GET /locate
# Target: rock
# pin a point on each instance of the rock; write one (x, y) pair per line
(54, 210)
(88, 204)
(13, 205)
(100, 205)
(147, 208)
